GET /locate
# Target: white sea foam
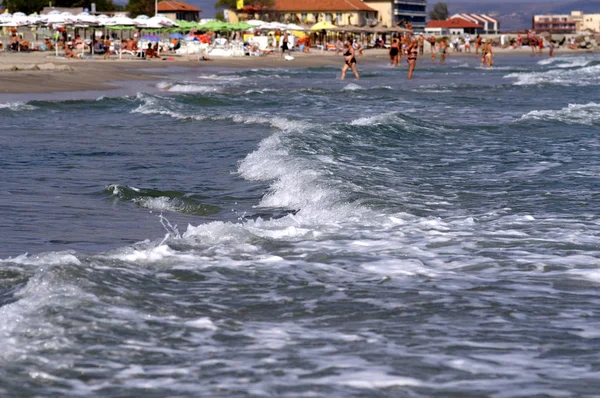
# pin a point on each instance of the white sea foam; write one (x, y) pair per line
(588, 114)
(17, 106)
(193, 88)
(588, 75)
(352, 87)
(159, 204)
(23, 326)
(223, 78)
(566, 62)
(384, 118)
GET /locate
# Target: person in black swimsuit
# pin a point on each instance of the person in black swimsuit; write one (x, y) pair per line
(394, 51)
(412, 50)
(349, 60)
(285, 45)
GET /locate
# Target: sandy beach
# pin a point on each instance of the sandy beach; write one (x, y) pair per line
(41, 72)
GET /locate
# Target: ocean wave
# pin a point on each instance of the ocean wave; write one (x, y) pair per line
(166, 106)
(566, 62)
(17, 106)
(588, 114)
(187, 88)
(352, 87)
(162, 200)
(223, 78)
(588, 75)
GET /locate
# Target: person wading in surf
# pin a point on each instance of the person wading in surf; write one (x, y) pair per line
(349, 60)
(412, 50)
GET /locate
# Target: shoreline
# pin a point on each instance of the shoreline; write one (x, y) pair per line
(80, 75)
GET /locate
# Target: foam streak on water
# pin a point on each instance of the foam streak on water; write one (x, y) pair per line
(244, 235)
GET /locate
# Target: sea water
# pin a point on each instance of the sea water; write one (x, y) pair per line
(280, 232)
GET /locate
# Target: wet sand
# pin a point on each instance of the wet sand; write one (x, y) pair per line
(99, 74)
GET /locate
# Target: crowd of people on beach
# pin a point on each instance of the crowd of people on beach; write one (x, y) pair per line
(410, 45)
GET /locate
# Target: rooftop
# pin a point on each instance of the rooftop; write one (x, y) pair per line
(175, 5)
(456, 23)
(320, 5)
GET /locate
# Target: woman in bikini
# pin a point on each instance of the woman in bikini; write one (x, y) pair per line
(394, 51)
(412, 50)
(349, 60)
(488, 54)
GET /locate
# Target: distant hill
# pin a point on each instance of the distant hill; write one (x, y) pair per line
(517, 15)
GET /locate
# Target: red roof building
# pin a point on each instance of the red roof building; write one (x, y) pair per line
(174, 9)
(338, 12)
(452, 26)
(320, 5)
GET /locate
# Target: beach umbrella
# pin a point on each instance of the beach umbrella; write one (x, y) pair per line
(162, 21)
(238, 26)
(85, 18)
(120, 20)
(323, 25)
(215, 26)
(120, 27)
(255, 22)
(293, 26)
(57, 18)
(17, 19)
(176, 36)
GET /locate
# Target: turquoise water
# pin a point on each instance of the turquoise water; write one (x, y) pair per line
(283, 233)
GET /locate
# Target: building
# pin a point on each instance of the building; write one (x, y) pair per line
(566, 23)
(453, 26)
(591, 22)
(178, 10)
(394, 12)
(338, 12)
(72, 10)
(489, 24)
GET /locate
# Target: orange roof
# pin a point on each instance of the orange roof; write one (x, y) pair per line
(457, 23)
(320, 5)
(174, 5)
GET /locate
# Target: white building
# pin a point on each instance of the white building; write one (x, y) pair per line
(490, 25)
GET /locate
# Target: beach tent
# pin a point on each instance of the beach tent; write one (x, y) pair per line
(323, 25)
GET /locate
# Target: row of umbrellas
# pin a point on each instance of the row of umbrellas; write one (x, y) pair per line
(84, 19)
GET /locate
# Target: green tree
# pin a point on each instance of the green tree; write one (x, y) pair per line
(140, 7)
(26, 6)
(220, 16)
(101, 5)
(31, 6)
(439, 12)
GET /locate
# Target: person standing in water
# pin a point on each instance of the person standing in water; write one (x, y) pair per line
(412, 50)
(487, 56)
(285, 46)
(349, 60)
(394, 53)
(443, 51)
(432, 41)
(478, 41)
